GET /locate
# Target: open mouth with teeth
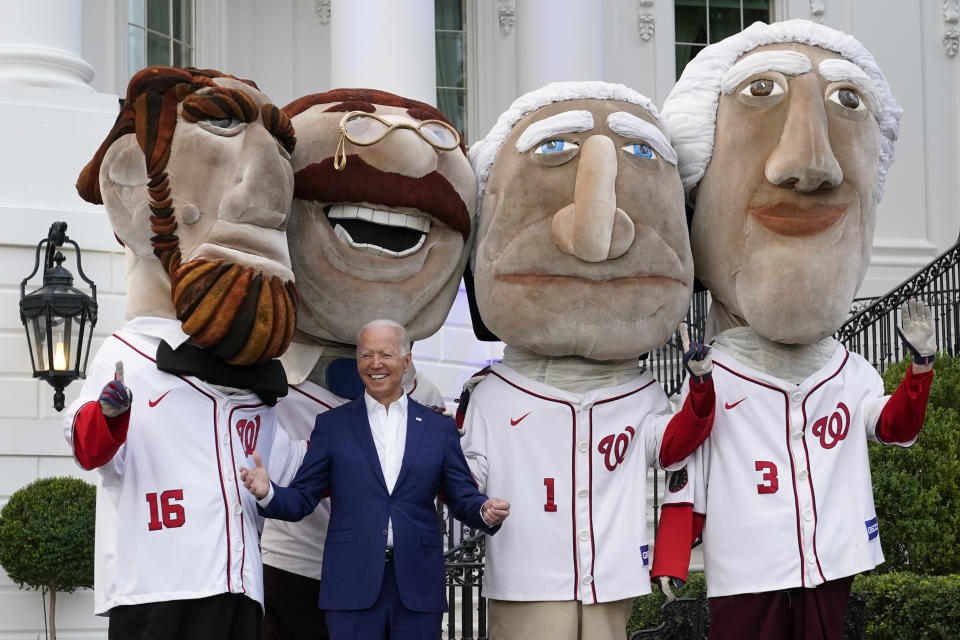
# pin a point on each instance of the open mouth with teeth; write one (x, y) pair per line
(378, 232)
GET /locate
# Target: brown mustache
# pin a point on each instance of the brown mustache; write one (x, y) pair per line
(241, 316)
(360, 182)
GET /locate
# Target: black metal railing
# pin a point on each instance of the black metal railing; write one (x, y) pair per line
(871, 330)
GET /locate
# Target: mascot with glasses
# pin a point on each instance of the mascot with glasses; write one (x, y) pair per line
(380, 225)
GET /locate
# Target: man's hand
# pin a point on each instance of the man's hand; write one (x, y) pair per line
(696, 357)
(917, 332)
(115, 398)
(494, 511)
(256, 480)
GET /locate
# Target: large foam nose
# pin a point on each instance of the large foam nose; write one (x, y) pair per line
(803, 160)
(592, 228)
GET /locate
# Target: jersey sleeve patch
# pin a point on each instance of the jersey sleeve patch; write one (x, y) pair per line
(678, 480)
(873, 528)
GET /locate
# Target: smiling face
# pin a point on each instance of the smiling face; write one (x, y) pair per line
(385, 235)
(582, 246)
(382, 363)
(785, 212)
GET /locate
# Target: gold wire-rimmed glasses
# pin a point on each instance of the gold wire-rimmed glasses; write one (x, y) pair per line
(364, 129)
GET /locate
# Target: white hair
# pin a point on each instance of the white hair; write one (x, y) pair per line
(484, 151)
(384, 322)
(690, 111)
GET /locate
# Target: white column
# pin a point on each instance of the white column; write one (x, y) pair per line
(384, 44)
(40, 44)
(558, 40)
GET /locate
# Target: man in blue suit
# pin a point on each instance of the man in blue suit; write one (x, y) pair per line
(383, 458)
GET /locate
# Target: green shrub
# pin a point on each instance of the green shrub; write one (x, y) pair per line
(906, 605)
(646, 609)
(917, 490)
(46, 536)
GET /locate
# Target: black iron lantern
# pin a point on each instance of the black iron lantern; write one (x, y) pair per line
(59, 318)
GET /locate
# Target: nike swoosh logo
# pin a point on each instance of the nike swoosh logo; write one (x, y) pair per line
(731, 406)
(514, 423)
(154, 403)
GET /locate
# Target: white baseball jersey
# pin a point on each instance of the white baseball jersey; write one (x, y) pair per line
(574, 468)
(174, 521)
(784, 477)
(297, 547)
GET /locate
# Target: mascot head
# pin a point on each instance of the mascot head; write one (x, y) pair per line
(382, 212)
(582, 244)
(196, 179)
(784, 134)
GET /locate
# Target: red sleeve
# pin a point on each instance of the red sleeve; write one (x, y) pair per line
(96, 438)
(689, 428)
(679, 528)
(902, 416)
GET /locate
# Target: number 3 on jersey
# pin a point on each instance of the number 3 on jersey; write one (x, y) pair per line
(770, 483)
(165, 512)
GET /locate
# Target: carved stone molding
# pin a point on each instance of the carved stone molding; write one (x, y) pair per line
(322, 7)
(646, 23)
(951, 28)
(506, 15)
(817, 9)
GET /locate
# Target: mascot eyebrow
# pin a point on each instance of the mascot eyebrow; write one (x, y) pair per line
(630, 126)
(566, 122)
(791, 63)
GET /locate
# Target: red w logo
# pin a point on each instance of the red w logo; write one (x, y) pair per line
(614, 448)
(248, 430)
(833, 429)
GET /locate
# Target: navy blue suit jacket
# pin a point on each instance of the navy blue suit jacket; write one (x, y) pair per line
(343, 458)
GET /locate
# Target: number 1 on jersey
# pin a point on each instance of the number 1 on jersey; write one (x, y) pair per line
(550, 505)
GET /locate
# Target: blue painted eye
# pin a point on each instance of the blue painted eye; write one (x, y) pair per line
(640, 150)
(555, 146)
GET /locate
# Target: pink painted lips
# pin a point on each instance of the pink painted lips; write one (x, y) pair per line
(788, 219)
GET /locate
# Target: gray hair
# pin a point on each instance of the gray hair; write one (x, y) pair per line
(690, 111)
(384, 322)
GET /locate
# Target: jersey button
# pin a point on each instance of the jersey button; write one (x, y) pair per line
(587, 579)
(808, 515)
(803, 474)
(583, 445)
(797, 395)
(583, 493)
(584, 534)
(798, 435)
(238, 508)
(238, 546)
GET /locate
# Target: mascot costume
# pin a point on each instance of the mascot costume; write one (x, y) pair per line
(196, 180)
(784, 134)
(379, 228)
(581, 264)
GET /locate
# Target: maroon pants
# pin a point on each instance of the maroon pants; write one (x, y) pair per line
(791, 614)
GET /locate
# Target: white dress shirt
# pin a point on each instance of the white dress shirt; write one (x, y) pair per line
(389, 431)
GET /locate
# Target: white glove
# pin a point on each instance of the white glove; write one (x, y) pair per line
(666, 588)
(917, 331)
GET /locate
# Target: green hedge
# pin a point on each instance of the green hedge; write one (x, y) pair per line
(46, 534)
(917, 490)
(907, 605)
(900, 606)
